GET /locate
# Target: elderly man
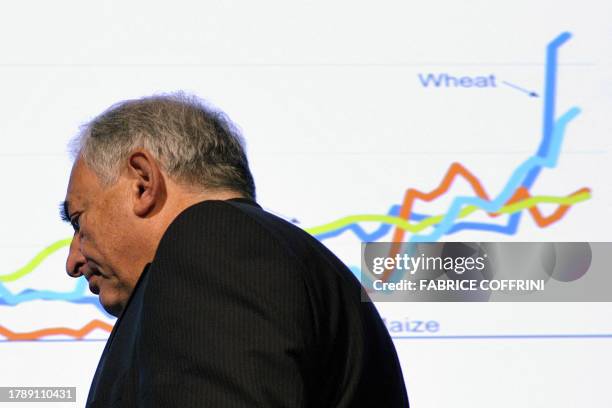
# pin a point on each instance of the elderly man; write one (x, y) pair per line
(220, 303)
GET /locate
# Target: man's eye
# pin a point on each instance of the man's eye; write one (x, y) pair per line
(75, 223)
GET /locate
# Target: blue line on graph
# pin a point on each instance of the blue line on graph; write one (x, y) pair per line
(365, 236)
(510, 336)
(440, 337)
(550, 95)
(509, 229)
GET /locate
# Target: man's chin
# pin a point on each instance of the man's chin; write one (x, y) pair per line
(111, 303)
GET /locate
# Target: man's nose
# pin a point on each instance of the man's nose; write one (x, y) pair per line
(75, 258)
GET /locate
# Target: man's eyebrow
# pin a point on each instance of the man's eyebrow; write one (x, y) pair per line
(64, 214)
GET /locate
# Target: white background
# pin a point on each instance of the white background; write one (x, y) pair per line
(336, 124)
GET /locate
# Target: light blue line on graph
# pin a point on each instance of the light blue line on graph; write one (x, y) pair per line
(514, 182)
(77, 295)
(8, 298)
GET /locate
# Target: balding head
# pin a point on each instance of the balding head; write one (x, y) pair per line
(195, 144)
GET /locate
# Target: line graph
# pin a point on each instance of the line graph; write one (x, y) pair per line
(516, 188)
(523, 176)
(522, 200)
(512, 185)
(513, 200)
(526, 174)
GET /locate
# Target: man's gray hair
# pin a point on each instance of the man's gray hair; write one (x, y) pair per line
(194, 143)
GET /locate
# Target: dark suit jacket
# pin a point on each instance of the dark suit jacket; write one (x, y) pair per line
(240, 308)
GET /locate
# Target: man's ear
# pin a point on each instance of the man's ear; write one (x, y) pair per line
(148, 185)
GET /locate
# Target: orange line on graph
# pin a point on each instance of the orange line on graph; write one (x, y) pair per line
(411, 195)
(541, 220)
(455, 170)
(53, 331)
